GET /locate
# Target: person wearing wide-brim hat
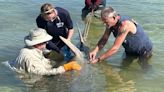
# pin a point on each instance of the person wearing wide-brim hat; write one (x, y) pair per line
(32, 60)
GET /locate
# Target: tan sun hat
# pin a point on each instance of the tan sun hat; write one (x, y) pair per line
(37, 36)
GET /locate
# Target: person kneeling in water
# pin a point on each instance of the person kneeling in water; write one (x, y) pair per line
(32, 60)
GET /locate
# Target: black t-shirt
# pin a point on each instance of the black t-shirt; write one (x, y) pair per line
(59, 27)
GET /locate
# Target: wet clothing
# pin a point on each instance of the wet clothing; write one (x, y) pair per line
(59, 27)
(31, 60)
(137, 44)
(142, 61)
(89, 4)
(134, 43)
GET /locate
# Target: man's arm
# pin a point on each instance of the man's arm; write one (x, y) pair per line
(34, 66)
(123, 31)
(70, 34)
(69, 25)
(100, 45)
(103, 39)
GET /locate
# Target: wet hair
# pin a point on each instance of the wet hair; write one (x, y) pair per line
(108, 12)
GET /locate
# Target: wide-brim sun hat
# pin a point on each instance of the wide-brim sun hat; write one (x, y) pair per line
(37, 36)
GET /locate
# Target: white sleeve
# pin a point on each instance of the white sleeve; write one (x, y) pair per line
(40, 66)
(38, 69)
(42, 71)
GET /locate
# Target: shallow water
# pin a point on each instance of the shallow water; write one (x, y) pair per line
(18, 17)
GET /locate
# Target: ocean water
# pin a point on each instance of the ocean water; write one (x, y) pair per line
(17, 18)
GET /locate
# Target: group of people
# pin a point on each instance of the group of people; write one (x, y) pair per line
(53, 22)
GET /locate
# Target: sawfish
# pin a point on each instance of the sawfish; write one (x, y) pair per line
(84, 81)
(92, 78)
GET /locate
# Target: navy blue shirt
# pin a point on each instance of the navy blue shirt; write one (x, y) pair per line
(134, 43)
(59, 27)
